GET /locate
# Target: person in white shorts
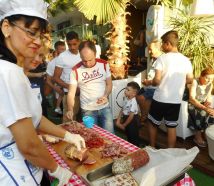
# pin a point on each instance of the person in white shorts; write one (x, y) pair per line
(65, 62)
(172, 71)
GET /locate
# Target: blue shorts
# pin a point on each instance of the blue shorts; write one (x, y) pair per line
(149, 92)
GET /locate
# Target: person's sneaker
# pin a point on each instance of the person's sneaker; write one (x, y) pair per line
(58, 110)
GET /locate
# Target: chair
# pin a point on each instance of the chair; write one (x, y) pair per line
(210, 140)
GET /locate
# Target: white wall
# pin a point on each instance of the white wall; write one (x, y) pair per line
(76, 18)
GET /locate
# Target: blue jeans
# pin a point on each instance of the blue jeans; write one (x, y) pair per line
(102, 118)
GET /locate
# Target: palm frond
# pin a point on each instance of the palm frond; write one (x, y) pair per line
(103, 10)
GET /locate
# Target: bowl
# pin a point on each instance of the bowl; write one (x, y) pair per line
(88, 121)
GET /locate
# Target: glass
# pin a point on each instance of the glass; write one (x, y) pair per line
(30, 33)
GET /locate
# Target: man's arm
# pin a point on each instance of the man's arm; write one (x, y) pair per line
(189, 78)
(57, 75)
(51, 84)
(108, 87)
(155, 81)
(71, 100)
(107, 91)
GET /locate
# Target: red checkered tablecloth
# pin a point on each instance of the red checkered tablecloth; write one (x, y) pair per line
(77, 181)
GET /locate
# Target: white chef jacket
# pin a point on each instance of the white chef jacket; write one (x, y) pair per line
(17, 101)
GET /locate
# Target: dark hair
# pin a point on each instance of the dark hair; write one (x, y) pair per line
(71, 35)
(5, 53)
(170, 37)
(207, 71)
(59, 43)
(88, 44)
(134, 85)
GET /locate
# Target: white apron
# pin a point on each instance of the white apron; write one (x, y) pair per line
(15, 170)
(17, 101)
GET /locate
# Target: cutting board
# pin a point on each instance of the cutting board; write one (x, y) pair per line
(76, 166)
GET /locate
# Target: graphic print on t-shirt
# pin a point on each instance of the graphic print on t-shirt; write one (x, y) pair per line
(90, 76)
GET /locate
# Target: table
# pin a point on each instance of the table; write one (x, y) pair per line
(76, 179)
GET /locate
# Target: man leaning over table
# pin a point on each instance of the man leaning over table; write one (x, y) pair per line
(93, 78)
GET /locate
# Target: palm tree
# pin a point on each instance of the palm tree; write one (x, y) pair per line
(113, 11)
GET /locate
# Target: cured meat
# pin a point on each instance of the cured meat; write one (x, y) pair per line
(89, 161)
(95, 142)
(120, 180)
(72, 152)
(113, 150)
(131, 162)
(92, 139)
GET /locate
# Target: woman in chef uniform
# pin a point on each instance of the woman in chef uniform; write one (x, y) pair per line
(22, 154)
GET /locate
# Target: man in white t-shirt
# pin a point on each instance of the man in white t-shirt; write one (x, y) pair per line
(59, 47)
(172, 71)
(65, 62)
(93, 78)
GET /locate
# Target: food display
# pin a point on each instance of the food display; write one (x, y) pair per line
(100, 151)
(113, 150)
(131, 162)
(120, 180)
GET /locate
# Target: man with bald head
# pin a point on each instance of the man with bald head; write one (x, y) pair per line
(93, 77)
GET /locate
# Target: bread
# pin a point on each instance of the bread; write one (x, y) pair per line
(72, 152)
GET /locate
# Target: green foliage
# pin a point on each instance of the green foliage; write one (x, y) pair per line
(170, 3)
(194, 35)
(57, 6)
(103, 10)
(88, 35)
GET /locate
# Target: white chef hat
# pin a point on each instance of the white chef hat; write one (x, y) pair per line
(36, 8)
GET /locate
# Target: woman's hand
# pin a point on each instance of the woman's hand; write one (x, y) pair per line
(75, 139)
(62, 174)
(210, 111)
(207, 104)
